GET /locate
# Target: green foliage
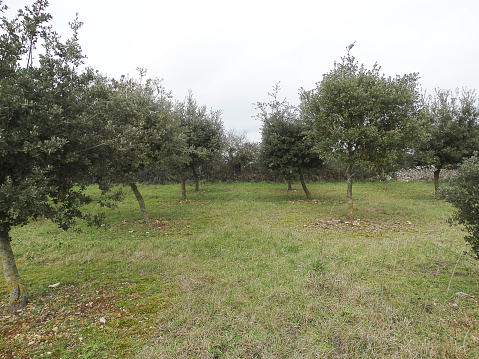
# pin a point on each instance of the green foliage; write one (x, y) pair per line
(464, 196)
(362, 117)
(138, 121)
(201, 137)
(241, 158)
(47, 145)
(285, 147)
(453, 128)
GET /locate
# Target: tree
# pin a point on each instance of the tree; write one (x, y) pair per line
(241, 160)
(139, 124)
(362, 117)
(202, 139)
(286, 146)
(453, 130)
(47, 144)
(464, 196)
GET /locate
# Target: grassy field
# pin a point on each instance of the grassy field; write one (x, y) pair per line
(251, 271)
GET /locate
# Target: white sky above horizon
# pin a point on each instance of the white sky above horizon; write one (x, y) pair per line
(232, 53)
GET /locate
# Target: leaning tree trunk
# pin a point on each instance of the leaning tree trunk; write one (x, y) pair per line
(16, 288)
(349, 193)
(183, 188)
(436, 182)
(141, 202)
(303, 184)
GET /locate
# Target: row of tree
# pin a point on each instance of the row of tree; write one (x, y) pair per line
(361, 120)
(64, 126)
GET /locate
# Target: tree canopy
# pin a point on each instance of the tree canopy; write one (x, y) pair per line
(240, 158)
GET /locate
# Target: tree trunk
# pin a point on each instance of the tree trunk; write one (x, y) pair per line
(436, 182)
(197, 179)
(349, 193)
(183, 188)
(16, 288)
(141, 202)
(290, 186)
(386, 180)
(303, 183)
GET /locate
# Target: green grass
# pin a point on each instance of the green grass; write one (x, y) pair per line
(251, 271)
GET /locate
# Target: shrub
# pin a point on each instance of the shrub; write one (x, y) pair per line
(464, 196)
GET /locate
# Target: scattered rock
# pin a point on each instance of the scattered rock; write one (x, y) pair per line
(365, 227)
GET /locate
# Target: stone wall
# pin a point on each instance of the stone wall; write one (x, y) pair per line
(423, 173)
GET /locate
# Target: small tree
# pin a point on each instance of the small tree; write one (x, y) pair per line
(464, 196)
(201, 135)
(362, 117)
(240, 158)
(452, 131)
(138, 118)
(286, 147)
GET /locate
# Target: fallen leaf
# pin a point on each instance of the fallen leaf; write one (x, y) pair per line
(102, 320)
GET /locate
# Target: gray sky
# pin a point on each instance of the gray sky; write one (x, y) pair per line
(231, 53)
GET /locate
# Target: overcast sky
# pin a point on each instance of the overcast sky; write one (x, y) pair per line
(231, 53)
